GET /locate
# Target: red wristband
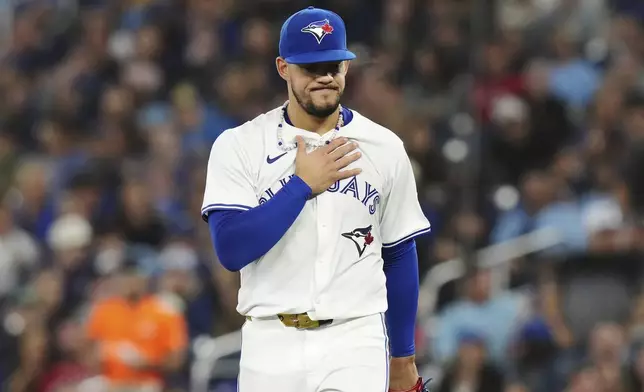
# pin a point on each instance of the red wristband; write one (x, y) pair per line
(416, 388)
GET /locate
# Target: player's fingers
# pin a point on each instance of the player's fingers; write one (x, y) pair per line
(335, 143)
(347, 160)
(348, 173)
(343, 150)
(301, 145)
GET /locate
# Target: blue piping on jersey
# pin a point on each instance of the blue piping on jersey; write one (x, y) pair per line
(220, 206)
(407, 237)
(384, 330)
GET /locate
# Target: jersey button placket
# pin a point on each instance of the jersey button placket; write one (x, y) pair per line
(322, 265)
(322, 237)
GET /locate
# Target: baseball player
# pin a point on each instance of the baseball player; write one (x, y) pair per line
(316, 205)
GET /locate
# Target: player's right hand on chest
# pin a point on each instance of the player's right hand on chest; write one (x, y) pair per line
(323, 166)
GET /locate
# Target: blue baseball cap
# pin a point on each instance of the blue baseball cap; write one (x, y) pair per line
(314, 35)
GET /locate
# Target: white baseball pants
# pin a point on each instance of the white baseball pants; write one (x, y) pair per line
(345, 356)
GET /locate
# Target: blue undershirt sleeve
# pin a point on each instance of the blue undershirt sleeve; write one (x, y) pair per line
(241, 237)
(401, 270)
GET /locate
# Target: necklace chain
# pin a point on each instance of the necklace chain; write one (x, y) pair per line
(287, 146)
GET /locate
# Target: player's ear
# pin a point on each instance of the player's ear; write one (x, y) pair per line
(345, 66)
(282, 68)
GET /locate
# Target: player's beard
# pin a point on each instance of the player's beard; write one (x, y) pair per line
(314, 110)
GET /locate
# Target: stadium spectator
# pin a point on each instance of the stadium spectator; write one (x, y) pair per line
(494, 319)
(138, 337)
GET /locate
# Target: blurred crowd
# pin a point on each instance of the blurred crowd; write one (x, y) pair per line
(518, 115)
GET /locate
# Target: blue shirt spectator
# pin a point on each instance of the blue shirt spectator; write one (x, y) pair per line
(565, 217)
(495, 321)
(575, 82)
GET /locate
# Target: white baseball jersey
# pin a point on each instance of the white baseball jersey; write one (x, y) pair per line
(329, 262)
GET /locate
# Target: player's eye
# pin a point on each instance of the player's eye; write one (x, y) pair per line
(322, 69)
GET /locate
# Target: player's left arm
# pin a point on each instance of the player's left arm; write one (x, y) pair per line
(402, 221)
(401, 269)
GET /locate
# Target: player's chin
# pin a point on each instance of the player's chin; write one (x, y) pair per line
(326, 99)
(323, 110)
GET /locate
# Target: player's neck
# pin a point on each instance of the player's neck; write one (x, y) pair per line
(302, 120)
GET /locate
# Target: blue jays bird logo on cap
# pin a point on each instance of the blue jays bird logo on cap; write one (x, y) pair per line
(319, 29)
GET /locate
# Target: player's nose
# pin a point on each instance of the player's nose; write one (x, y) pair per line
(325, 79)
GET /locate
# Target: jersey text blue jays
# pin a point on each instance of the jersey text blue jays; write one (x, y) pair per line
(362, 191)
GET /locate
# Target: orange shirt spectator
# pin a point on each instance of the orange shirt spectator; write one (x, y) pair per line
(136, 339)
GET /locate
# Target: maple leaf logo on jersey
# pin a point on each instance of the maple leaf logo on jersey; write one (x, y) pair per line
(319, 29)
(361, 237)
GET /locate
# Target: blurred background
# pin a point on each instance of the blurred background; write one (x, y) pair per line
(524, 120)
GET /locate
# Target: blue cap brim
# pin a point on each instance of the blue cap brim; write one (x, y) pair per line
(322, 56)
